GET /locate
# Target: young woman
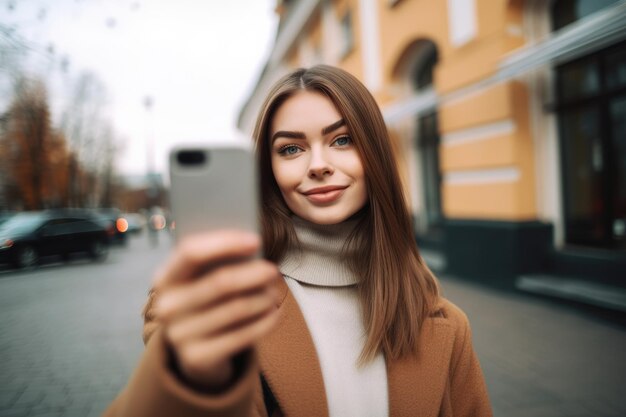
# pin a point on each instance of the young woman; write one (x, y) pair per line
(341, 318)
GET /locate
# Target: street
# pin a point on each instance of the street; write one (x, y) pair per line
(71, 335)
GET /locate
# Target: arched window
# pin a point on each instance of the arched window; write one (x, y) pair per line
(423, 73)
(413, 79)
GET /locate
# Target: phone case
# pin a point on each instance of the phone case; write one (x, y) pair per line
(220, 193)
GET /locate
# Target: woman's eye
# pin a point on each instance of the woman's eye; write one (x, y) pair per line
(289, 150)
(343, 141)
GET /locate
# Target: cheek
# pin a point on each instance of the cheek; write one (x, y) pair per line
(285, 174)
(354, 167)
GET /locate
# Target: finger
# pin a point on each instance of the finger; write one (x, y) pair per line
(224, 316)
(200, 357)
(196, 252)
(219, 284)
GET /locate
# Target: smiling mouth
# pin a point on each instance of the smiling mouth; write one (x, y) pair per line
(324, 195)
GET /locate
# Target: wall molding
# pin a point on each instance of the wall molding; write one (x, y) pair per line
(479, 133)
(586, 36)
(482, 176)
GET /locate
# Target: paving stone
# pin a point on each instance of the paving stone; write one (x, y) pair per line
(56, 398)
(9, 396)
(543, 358)
(29, 397)
(71, 336)
(14, 412)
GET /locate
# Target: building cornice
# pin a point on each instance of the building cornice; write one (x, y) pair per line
(578, 39)
(295, 21)
(289, 30)
(602, 29)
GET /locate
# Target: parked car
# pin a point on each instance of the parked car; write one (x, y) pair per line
(28, 237)
(6, 215)
(116, 221)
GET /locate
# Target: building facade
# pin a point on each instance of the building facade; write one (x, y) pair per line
(509, 118)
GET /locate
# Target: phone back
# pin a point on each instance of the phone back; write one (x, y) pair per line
(213, 187)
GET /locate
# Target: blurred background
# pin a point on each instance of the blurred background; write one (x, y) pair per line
(508, 118)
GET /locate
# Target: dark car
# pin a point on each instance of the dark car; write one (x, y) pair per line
(6, 215)
(116, 222)
(28, 237)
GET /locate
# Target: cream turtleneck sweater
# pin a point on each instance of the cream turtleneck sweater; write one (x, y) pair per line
(325, 289)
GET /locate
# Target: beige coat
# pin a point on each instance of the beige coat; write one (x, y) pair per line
(445, 380)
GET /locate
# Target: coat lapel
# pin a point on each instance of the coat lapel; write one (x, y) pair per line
(291, 368)
(290, 365)
(417, 384)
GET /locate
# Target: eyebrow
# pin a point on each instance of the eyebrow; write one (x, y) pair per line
(301, 135)
(333, 127)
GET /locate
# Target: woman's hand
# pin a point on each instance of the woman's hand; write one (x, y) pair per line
(214, 302)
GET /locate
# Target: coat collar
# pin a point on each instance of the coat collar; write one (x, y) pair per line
(290, 366)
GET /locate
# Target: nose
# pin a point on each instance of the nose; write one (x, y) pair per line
(319, 166)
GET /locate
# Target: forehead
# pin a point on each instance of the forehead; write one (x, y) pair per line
(305, 111)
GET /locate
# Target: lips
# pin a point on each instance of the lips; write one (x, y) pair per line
(324, 195)
(323, 190)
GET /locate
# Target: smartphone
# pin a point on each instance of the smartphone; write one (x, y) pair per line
(213, 187)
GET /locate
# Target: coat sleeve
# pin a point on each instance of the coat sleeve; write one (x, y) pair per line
(154, 390)
(468, 391)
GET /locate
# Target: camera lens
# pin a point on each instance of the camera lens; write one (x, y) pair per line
(191, 157)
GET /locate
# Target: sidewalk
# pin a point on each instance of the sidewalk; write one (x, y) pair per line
(543, 357)
(71, 337)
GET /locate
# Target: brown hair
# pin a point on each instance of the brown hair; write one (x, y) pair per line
(397, 290)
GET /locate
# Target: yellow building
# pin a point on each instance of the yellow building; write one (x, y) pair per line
(509, 118)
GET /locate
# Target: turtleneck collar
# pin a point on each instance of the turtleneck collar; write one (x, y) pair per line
(321, 259)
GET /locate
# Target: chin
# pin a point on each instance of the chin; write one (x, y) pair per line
(326, 218)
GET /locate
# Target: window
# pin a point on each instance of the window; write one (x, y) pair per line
(423, 73)
(429, 146)
(565, 12)
(591, 111)
(347, 35)
(428, 138)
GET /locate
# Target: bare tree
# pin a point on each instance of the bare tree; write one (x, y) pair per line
(12, 48)
(85, 128)
(26, 143)
(107, 149)
(82, 143)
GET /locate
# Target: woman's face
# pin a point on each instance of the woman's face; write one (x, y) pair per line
(315, 163)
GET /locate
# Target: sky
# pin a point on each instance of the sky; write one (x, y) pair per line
(197, 60)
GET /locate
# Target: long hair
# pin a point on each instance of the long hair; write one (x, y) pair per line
(397, 290)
